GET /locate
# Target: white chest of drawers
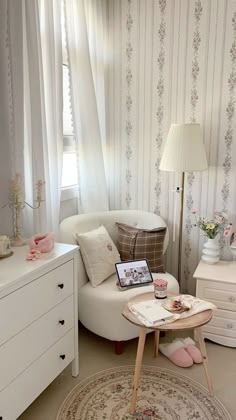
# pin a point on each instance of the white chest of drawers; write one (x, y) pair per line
(38, 324)
(217, 284)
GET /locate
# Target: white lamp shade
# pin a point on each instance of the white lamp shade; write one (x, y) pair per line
(184, 149)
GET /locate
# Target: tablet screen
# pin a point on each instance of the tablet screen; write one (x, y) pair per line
(133, 273)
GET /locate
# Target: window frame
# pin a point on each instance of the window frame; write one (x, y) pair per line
(69, 193)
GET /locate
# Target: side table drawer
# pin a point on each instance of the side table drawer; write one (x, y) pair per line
(223, 323)
(25, 305)
(20, 393)
(27, 346)
(221, 294)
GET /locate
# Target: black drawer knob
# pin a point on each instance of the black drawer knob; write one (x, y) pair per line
(61, 285)
(62, 322)
(0, 417)
(62, 356)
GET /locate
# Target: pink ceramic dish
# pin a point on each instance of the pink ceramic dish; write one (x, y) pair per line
(43, 242)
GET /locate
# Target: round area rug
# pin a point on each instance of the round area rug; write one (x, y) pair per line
(162, 395)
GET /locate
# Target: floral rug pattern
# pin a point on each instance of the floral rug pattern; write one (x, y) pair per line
(162, 395)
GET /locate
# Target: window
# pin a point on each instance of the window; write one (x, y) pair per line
(69, 169)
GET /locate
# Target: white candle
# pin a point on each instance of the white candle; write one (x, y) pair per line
(39, 189)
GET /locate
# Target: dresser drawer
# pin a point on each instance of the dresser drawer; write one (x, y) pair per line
(223, 323)
(223, 295)
(28, 303)
(27, 346)
(17, 396)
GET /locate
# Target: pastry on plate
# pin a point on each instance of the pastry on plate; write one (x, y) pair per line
(176, 304)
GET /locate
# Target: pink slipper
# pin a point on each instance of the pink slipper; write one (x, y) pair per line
(176, 353)
(192, 350)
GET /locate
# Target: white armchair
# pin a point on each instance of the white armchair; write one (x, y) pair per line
(99, 308)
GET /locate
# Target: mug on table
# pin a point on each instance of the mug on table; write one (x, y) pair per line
(4, 245)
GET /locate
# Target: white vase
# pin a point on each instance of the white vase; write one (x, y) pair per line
(211, 251)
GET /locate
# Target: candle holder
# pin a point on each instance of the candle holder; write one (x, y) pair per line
(17, 203)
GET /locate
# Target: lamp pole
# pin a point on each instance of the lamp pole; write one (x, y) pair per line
(181, 213)
(183, 152)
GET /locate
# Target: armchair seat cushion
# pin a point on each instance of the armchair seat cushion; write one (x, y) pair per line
(100, 309)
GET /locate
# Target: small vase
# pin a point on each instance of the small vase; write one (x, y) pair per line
(211, 251)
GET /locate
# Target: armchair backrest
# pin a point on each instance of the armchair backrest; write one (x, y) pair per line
(82, 223)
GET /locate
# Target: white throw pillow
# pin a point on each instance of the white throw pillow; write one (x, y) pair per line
(99, 254)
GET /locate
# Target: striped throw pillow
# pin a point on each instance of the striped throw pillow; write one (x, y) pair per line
(136, 244)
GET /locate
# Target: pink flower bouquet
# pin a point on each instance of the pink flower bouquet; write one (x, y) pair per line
(210, 226)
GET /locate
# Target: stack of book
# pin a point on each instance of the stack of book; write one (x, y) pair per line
(151, 311)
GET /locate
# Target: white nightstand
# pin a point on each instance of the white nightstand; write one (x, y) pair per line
(217, 284)
(38, 324)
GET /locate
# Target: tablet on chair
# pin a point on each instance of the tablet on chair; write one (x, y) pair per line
(133, 273)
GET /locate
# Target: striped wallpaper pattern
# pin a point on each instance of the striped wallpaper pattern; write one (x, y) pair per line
(172, 61)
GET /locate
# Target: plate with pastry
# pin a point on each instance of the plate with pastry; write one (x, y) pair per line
(176, 304)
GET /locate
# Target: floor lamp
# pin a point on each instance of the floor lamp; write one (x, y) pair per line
(184, 152)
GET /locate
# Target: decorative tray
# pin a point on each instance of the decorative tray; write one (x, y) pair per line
(6, 255)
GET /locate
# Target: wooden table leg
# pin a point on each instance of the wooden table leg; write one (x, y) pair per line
(138, 364)
(156, 342)
(202, 346)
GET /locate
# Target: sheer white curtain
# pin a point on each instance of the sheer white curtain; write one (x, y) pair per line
(31, 101)
(11, 103)
(87, 94)
(43, 136)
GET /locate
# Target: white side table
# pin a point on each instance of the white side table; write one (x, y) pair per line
(217, 284)
(38, 324)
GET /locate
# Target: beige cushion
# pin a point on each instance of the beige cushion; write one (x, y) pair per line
(99, 254)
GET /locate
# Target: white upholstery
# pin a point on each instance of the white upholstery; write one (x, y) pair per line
(100, 308)
(107, 300)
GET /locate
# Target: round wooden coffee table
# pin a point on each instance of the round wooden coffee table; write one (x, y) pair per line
(194, 321)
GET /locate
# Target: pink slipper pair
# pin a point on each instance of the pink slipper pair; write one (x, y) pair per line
(182, 352)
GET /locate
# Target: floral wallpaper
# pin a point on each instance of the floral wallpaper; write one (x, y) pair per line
(230, 115)
(161, 63)
(129, 103)
(172, 61)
